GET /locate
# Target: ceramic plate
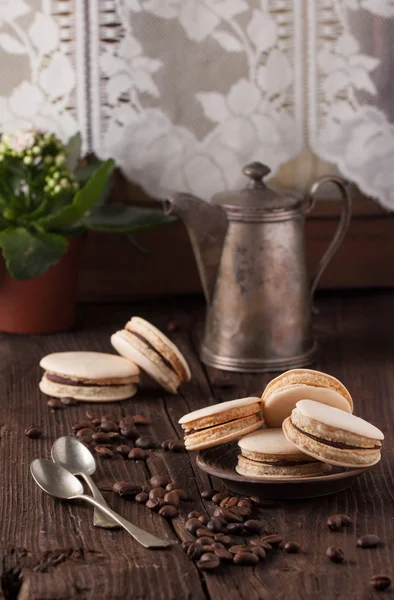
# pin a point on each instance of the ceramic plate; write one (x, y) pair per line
(220, 462)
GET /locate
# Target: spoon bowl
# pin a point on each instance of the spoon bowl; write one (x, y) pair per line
(55, 480)
(69, 453)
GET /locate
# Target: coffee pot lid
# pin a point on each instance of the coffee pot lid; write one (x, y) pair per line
(257, 197)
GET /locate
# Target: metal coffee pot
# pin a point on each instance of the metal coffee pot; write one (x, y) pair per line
(250, 252)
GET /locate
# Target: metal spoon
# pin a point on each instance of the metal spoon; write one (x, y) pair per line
(69, 453)
(57, 481)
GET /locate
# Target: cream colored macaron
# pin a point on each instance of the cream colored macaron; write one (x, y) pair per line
(282, 393)
(88, 376)
(332, 435)
(144, 344)
(221, 423)
(267, 453)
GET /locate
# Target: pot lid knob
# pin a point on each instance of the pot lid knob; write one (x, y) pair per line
(256, 171)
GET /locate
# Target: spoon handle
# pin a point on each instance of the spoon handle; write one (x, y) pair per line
(143, 537)
(99, 518)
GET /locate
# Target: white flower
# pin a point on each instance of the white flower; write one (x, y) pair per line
(20, 140)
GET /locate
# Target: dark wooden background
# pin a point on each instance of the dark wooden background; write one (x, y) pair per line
(50, 550)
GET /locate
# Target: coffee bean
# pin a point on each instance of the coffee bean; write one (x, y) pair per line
(204, 540)
(157, 492)
(85, 433)
(108, 418)
(114, 436)
(245, 558)
(55, 403)
(194, 551)
(208, 561)
(103, 452)
(337, 522)
(335, 554)
(68, 401)
(207, 548)
(126, 490)
(186, 545)
(203, 519)
(369, 540)
(123, 449)
(108, 426)
(259, 552)
(145, 442)
(228, 514)
(229, 502)
(164, 444)
(159, 480)
(253, 525)
(130, 433)
(222, 538)
(96, 422)
(82, 425)
(273, 540)
(168, 511)
(172, 498)
(176, 446)
(260, 542)
(380, 582)
(137, 454)
(208, 494)
(291, 547)
(183, 495)
(235, 528)
(100, 437)
(146, 488)
(245, 503)
(217, 498)
(33, 432)
(222, 553)
(215, 524)
(127, 421)
(142, 498)
(204, 532)
(243, 511)
(239, 548)
(194, 514)
(155, 504)
(140, 420)
(192, 525)
(256, 500)
(171, 486)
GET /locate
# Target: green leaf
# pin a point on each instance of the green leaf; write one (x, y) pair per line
(30, 254)
(83, 200)
(119, 218)
(73, 150)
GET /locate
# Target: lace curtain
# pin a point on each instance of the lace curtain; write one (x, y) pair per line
(183, 93)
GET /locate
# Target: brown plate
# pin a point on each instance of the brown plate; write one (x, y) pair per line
(220, 462)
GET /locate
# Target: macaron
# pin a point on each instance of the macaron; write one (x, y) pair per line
(267, 453)
(88, 376)
(332, 435)
(282, 393)
(145, 345)
(221, 423)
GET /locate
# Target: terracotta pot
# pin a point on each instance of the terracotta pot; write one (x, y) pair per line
(42, 304)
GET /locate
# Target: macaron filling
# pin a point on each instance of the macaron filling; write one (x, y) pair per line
(336, 444)
(222, 430)
(92, 383)
(153, 349)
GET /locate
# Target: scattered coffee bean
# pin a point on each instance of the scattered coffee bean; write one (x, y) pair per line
(126, 490)
(103, 451)
(243, 511)
(130, 433)
(68, 401)
(369, 540)
(218, 497)
(142, 498)
(107, 418)
(55, 403)
(245, 503)
(291, 547)
(228, 514)
(208, 494)
(337, 522)
(204, 540)
(222, 553)
(172, 485)
(159, 480)
(96, 422)
(164, 444)
(215, 524)
(82, 425)
(192, 525)
(155, 504)
(204, 532)
(100, 437)
(229, 502)
(85, 433)
(114, 436)
(186, 545)
(141, 420)
(172, 498)
(33, 432)
(235, 528)
(176, 446)
(259, 552)
(245, 558)
(123, 449)
(108, 426)
(168, 511)
(194, 514)
(253, 525)
(273, 540)
(145, 442)
(204, 520)
(239, 548)
(137, 454)
(172, 326)
(260, 542)
(146, 488)
(157, 492)
(208, 561)
(335, 554)
(222, 538)
(380, 582)
(127, 421)
(184, 496)
(194, 551)
(256, 500)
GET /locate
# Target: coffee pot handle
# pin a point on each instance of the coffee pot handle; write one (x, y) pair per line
(343, 224)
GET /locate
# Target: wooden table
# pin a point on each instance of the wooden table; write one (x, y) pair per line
(50, 550)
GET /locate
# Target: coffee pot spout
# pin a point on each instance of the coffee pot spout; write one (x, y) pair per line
(206, 225)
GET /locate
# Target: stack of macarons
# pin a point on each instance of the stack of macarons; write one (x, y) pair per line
(101, 377)
(308, 426)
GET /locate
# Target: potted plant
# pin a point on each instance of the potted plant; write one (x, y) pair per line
(48, 199)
